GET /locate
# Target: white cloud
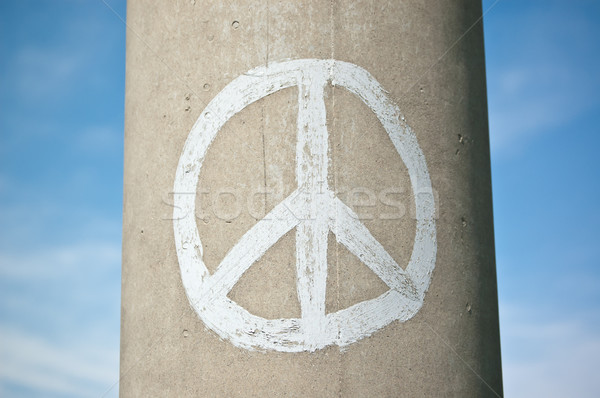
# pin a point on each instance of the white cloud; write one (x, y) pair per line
(59, 335)
(100, 139)
(59, 262)
(43, 73)
(530, 99)
(549, 357)
(28, 359)
(4, 184)
(536, 83)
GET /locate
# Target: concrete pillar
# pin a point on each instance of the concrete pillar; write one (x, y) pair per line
(307, 201)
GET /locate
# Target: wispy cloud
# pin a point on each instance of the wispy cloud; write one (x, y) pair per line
(65, 370)
(60, 184)
(549, 357)
(530, 100)
(537, 83)
(59, 262)
(100, 139)
(44, 349)
(43, 73)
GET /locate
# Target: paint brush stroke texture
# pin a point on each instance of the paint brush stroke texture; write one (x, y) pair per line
(313, 209)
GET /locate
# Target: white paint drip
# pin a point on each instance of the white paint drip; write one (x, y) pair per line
(313, 210)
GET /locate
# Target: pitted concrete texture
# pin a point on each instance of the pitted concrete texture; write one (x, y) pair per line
(180, 55)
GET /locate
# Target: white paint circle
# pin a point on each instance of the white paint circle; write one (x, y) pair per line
(314, 329)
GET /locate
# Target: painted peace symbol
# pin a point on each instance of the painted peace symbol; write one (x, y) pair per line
(313, 210)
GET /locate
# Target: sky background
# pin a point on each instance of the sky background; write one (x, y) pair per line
(61, 147)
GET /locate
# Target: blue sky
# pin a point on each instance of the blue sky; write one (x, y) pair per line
(61, 121)
(543, 59)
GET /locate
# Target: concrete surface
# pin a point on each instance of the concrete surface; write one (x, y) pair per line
(180, 55)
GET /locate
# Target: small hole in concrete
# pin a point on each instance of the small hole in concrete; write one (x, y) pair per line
(235, 24)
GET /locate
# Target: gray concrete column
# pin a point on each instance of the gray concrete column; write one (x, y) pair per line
(307, 201)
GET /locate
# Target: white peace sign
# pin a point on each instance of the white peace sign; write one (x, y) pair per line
(313, 210)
